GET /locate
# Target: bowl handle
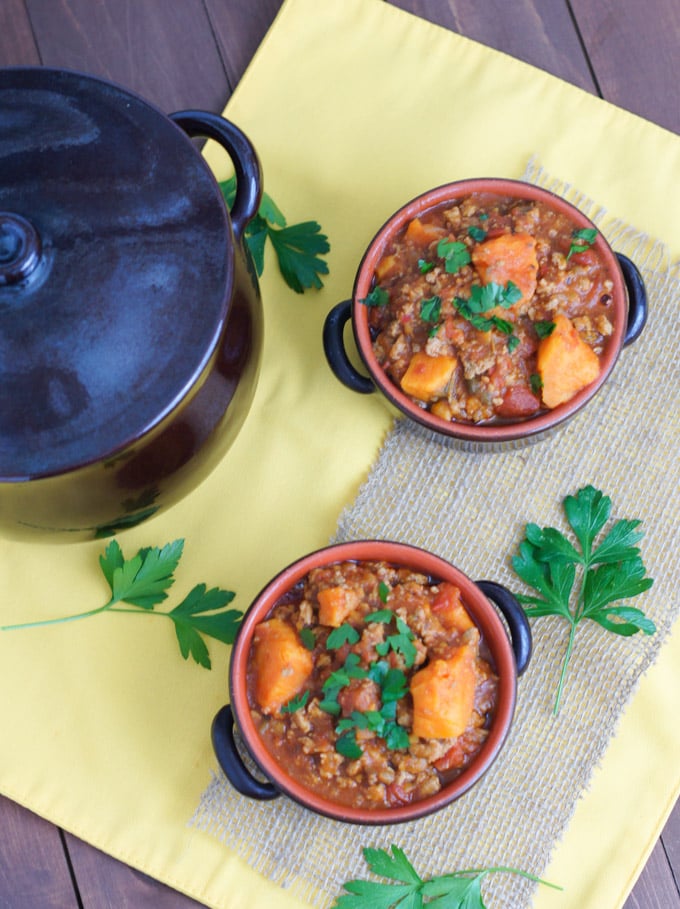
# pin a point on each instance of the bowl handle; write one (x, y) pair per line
(231, 762)
(518, 623)
(334, 347)
(243, 156)
(637, 299)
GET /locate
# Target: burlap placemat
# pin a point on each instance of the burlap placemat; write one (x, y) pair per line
(471, 508)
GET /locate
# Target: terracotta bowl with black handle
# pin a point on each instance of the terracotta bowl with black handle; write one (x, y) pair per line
(499, 619)
(626, 313)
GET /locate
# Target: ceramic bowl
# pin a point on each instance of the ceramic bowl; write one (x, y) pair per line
(628, 308)
(257, 774)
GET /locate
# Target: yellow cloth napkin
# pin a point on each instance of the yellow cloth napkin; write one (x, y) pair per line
(354, 106)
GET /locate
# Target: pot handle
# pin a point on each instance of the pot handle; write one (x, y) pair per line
(637, 299)
(224, 743)
(334, 348)
(243, 156)
(518, 623)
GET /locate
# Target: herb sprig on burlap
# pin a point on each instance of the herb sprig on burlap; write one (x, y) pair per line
(457, 890)
(588, 580)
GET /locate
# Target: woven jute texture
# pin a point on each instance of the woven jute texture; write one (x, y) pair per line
(471, 508)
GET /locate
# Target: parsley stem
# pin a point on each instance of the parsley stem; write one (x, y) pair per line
(565, 664)
(504, 869)
(60, 620)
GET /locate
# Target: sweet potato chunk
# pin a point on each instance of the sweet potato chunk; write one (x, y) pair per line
(509, 257)
(421, 234)
(449, 609)
(282, 664)
(427, 377)
(444, 695)
(386, 268)
(565, 363)
(335, 604)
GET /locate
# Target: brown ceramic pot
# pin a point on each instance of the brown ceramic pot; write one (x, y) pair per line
(130, 315)
(510, 654)
(629, 313)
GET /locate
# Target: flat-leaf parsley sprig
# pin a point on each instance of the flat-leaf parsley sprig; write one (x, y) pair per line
(142, 583)
(457, 890)
(585, 582)
(298, 247)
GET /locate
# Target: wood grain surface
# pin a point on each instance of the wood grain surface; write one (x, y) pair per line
(191, 53)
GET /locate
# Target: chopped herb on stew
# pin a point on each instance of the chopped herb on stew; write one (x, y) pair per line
(544, 329)
(424, 266)
(454, 254)
(477, 233)
(535, 382)
(377, 297)
(383, 592)
(345, 634)
(584, 239)
(308, 638)
(430, 309)
(296, 703)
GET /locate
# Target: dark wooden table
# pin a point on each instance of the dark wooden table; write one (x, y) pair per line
(191, 53)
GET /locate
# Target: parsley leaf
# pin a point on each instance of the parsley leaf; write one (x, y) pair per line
(384, 591)
(344, 634)
(457, 890)
(478, 234)
(424, 266)
(608, 569)
(296, 703)
(347, 745)
(585, 237)
(142, 582)
(298, 247)
(454, 254)
(377, 297)
(307, 638)
(191, 621)
(544, 328)
(430, 309)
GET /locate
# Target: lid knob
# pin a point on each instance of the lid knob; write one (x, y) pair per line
(20, 248)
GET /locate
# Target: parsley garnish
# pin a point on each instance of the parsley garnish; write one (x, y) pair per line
(347, 746)
(544, 329)
(478, 234)
(483, 299)
(457, 890)
(345, 634)
(384, 591)
(608, 572)
(585, 237)
(430, 309)
(382, 615)
(377, 297)
(297, 246)
(400, 643)
(307, 638)
(454, 254)
(142, 582)
(296, 703)
(424, 266)
(535, 382)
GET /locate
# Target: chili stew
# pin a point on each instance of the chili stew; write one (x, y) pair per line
(371, 684)
(491, 308)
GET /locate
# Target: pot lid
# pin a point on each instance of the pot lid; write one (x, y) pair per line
(115, 269)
